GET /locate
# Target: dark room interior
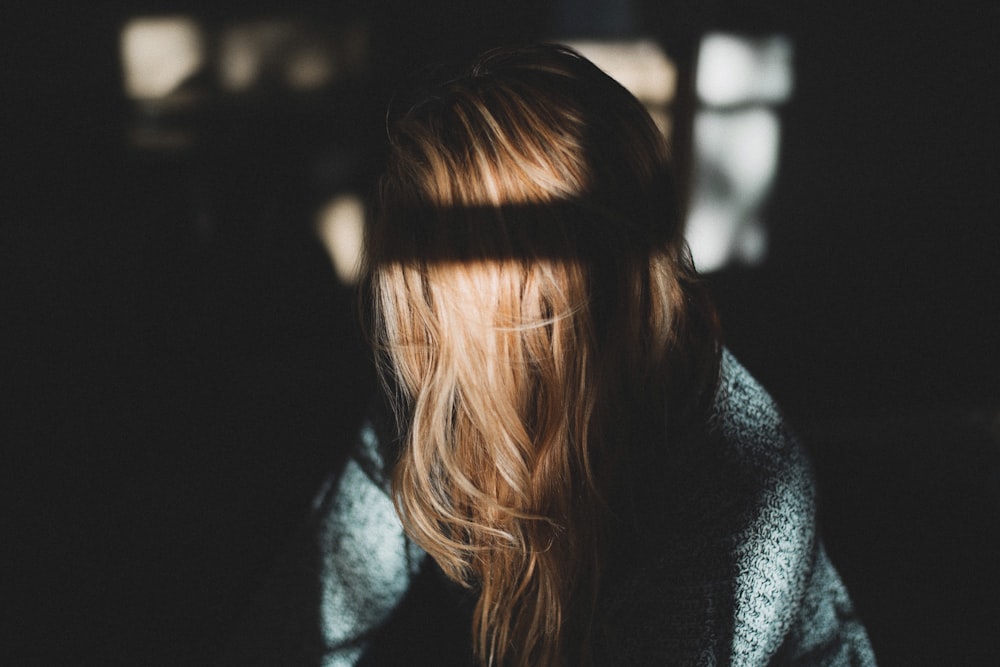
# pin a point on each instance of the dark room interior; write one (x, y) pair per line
(184, 365)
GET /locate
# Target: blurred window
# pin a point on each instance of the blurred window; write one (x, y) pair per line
(740, 83)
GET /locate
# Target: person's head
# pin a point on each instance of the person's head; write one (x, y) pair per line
(534, 309)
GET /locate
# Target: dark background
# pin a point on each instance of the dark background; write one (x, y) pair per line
(184, 369)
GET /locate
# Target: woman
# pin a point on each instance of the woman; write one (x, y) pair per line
(571, 443)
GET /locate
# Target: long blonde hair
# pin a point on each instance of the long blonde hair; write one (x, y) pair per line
(535, 315)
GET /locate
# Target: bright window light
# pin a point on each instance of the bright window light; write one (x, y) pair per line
(740, 83)
(159, 54)
(639, 65)
(340, 225)
(736, 157)
(718, 234)
(738, 153)
(734, 70)
(710, 232)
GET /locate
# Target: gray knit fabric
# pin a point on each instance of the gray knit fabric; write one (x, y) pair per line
(727, 570)
(730, 570)
(369, 562)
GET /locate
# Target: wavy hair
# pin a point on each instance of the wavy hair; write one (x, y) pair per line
(535, 313)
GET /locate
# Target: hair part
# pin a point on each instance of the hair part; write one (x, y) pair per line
(535, 309)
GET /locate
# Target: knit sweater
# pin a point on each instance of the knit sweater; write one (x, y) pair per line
(727, 568)
(730, 569)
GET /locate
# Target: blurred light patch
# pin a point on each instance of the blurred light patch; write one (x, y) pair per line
(639, 65)
(159, 54)
(340, 225)
(734, 70)
(740, 83)
(718, 236)
(285, 53)
(736, 158)
(290, 54)
(738, 153)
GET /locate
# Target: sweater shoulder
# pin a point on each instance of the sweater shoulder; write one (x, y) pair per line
(722, 568)
(746, 419)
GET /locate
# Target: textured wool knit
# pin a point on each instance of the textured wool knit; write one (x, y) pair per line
(726, 567)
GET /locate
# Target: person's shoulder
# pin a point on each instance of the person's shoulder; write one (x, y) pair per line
(748, 422)
(739, 459)
(776, 535)
(720, 569)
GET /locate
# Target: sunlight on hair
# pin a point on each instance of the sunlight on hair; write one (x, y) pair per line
(529, 286)
(639, 65)
(340, 225)
(734, 70)
(159, 54)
